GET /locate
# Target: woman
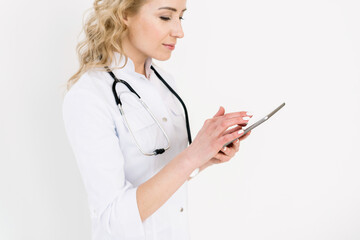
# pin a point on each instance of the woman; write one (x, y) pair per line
(132, 195)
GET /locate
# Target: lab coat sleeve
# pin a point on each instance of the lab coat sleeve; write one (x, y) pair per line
(91, 133)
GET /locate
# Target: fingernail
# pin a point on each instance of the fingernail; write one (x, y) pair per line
(224, 149)
(241, 131)
(249, 113)
(246, 118)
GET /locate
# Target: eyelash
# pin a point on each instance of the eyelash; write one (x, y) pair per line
(168, 19)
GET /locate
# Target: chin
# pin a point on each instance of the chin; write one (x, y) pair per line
(163, 57)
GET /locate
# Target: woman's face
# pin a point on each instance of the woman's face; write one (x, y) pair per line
(157, 23)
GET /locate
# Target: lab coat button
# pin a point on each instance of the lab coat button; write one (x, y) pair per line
(164, 119)
(181, 209)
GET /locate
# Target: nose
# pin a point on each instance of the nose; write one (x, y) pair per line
(177, 30)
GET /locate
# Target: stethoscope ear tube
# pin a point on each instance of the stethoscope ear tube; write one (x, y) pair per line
(119, 104)
(181, 101)
(117, 99)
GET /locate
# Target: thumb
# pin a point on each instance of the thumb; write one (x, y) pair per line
(220, 112)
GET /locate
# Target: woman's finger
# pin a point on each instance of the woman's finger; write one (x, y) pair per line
(220, 112)
(224, 124)
(245, 136)
(237, 145)
(229, 150)
(234, 129)
(226, 153)
(221, 157)
(238, 114)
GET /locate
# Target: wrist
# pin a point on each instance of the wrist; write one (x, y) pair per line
(189, 159)
(205, 165)
(192, 163)
(194, 173)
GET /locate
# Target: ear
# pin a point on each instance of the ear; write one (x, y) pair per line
(125, 19)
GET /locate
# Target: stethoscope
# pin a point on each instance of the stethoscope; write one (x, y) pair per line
(119, 104)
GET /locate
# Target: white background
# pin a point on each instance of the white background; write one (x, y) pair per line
(296, 176)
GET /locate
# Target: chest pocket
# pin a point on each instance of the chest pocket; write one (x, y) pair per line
(144, 128)
(136, 115)
(139, 119)
(175, 106)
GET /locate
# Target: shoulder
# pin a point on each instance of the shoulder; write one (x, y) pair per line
(92, 81)
(89, 100)
(93, 84)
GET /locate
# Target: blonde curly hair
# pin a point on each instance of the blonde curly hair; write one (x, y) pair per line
(104, 31)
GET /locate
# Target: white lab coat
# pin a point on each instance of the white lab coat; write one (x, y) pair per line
(110, 163)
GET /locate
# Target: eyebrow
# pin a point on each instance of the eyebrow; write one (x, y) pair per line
(172, 9)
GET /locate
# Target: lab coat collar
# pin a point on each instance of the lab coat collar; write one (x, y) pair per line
(129, 68)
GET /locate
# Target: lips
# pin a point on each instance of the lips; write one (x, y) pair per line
(171, 45)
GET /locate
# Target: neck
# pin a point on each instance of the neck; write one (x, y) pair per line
(137, 57)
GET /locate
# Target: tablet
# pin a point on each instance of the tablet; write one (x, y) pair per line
(257, 123)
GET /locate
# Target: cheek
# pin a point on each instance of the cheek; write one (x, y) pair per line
(151, 33)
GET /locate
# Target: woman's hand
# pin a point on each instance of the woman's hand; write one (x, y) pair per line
(227, 152)
(205, 149)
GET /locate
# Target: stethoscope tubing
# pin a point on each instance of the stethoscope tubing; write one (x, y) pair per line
(181, 101)
(119, 104)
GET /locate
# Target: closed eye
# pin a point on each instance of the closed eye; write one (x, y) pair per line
(165, 18)
(168, 19)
